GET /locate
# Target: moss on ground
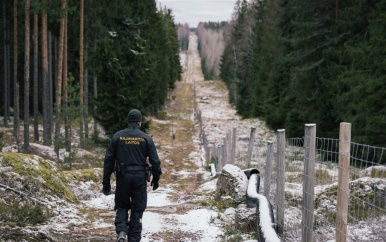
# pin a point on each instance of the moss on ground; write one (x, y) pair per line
(84, 175)
(23, 213)
(35, 168)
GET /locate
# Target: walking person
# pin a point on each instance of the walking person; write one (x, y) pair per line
(127, 153)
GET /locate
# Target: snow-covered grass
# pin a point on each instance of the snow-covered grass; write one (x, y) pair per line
(184, 208)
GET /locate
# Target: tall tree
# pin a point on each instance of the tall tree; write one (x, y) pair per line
(173, 47)
(36, 73)
(67, 137)
(45, 96)
(59, 78)
(93, 38)
(239, 41)
(95, 96)
(51, 81)
(270, 64)
(211, 47)
(244, 36)
(5, 79)
(16, 90)
(362, 84)
(133, 64)
(81, 72)
(86, 132)
(26, 75)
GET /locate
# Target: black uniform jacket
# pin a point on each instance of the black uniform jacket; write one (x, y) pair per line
(130, 146)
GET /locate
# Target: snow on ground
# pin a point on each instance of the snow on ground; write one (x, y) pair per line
(197, 222)
(161, 216)
(101, 202)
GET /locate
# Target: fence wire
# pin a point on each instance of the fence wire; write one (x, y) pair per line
(366, 213)
(366, 216)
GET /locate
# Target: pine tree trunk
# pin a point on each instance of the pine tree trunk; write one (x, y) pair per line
(50, 82)
(81, 86)
(8, 66)
(36, 73)
(95, 80)
(26, 76)
(59, 80)
(9, 88)
(95, 108)
(45, 96)
(16, 97)
(5, 90)
(86, 83)
(65, 92)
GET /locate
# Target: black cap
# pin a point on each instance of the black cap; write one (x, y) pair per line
(134, 116)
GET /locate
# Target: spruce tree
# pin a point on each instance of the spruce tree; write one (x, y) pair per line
(362, 86)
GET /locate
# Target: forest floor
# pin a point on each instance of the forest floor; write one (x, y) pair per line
(182, 208)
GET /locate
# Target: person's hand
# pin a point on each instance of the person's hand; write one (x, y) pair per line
(106, 189)
(154, 182)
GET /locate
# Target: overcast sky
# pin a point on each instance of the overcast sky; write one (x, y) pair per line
(195, 11)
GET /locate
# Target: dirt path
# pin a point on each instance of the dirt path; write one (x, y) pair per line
(179, 210)
(174, 211)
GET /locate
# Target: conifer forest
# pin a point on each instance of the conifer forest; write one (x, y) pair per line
(287, 62)
(291, 62)
(66, 61)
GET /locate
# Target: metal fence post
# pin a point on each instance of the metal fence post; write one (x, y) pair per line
(343, 182)
(280, 195)
(268, 170)
(308, 183)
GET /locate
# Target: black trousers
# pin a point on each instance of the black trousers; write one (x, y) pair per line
(131, 195)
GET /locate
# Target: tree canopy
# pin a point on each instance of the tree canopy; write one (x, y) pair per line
(130, 48)
(303, 62)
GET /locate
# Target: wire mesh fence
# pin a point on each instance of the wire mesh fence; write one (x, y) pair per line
(365, 218)
(319, 203)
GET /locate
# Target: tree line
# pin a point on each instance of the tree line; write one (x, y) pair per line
(296, 62)
(183, 32)
(211, 43)
(66, 61)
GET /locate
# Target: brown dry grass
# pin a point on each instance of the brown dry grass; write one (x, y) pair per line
(179, 111)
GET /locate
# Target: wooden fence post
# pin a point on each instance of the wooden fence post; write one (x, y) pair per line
(199, 117)
(268, 170)
(250, 146)
(224, 153)
(308, 183)
(171, 135)
(214, 155)
(220, 155)
(229, 147)
(206, 148)
(280, 184)
(233, 148)
(343, 181)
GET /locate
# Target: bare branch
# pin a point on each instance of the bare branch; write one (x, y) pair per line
(23, 194)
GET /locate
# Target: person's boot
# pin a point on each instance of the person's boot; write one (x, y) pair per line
(121, 236)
